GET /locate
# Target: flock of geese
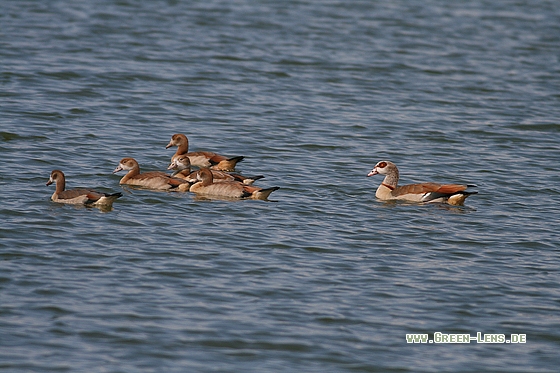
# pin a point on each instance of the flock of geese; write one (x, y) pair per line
(215, 178)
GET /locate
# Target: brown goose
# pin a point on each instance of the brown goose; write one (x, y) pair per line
(453, 194)
(85, 197)
(202, 159)
(227, 189)
(182, 167)
(152, 179)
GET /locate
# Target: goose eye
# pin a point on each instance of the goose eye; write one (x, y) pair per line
(382, 164)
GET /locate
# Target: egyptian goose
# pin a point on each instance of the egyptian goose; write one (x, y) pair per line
(202, 159)
(182, 167)
(227, 189)
(453, 194)
(152, 179)
(85, 197)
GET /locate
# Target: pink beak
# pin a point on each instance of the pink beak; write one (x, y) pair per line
(372, 172)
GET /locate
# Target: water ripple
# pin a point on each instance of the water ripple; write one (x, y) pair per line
(324, 277)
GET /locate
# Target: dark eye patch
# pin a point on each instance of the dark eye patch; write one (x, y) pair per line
(382, 164)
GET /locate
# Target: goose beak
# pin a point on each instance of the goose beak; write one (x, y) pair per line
(119, 168)
(169, 145)
(49, 182)
(372, 172)
(172, 166)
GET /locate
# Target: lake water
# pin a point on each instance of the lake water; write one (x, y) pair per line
(324, 278)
